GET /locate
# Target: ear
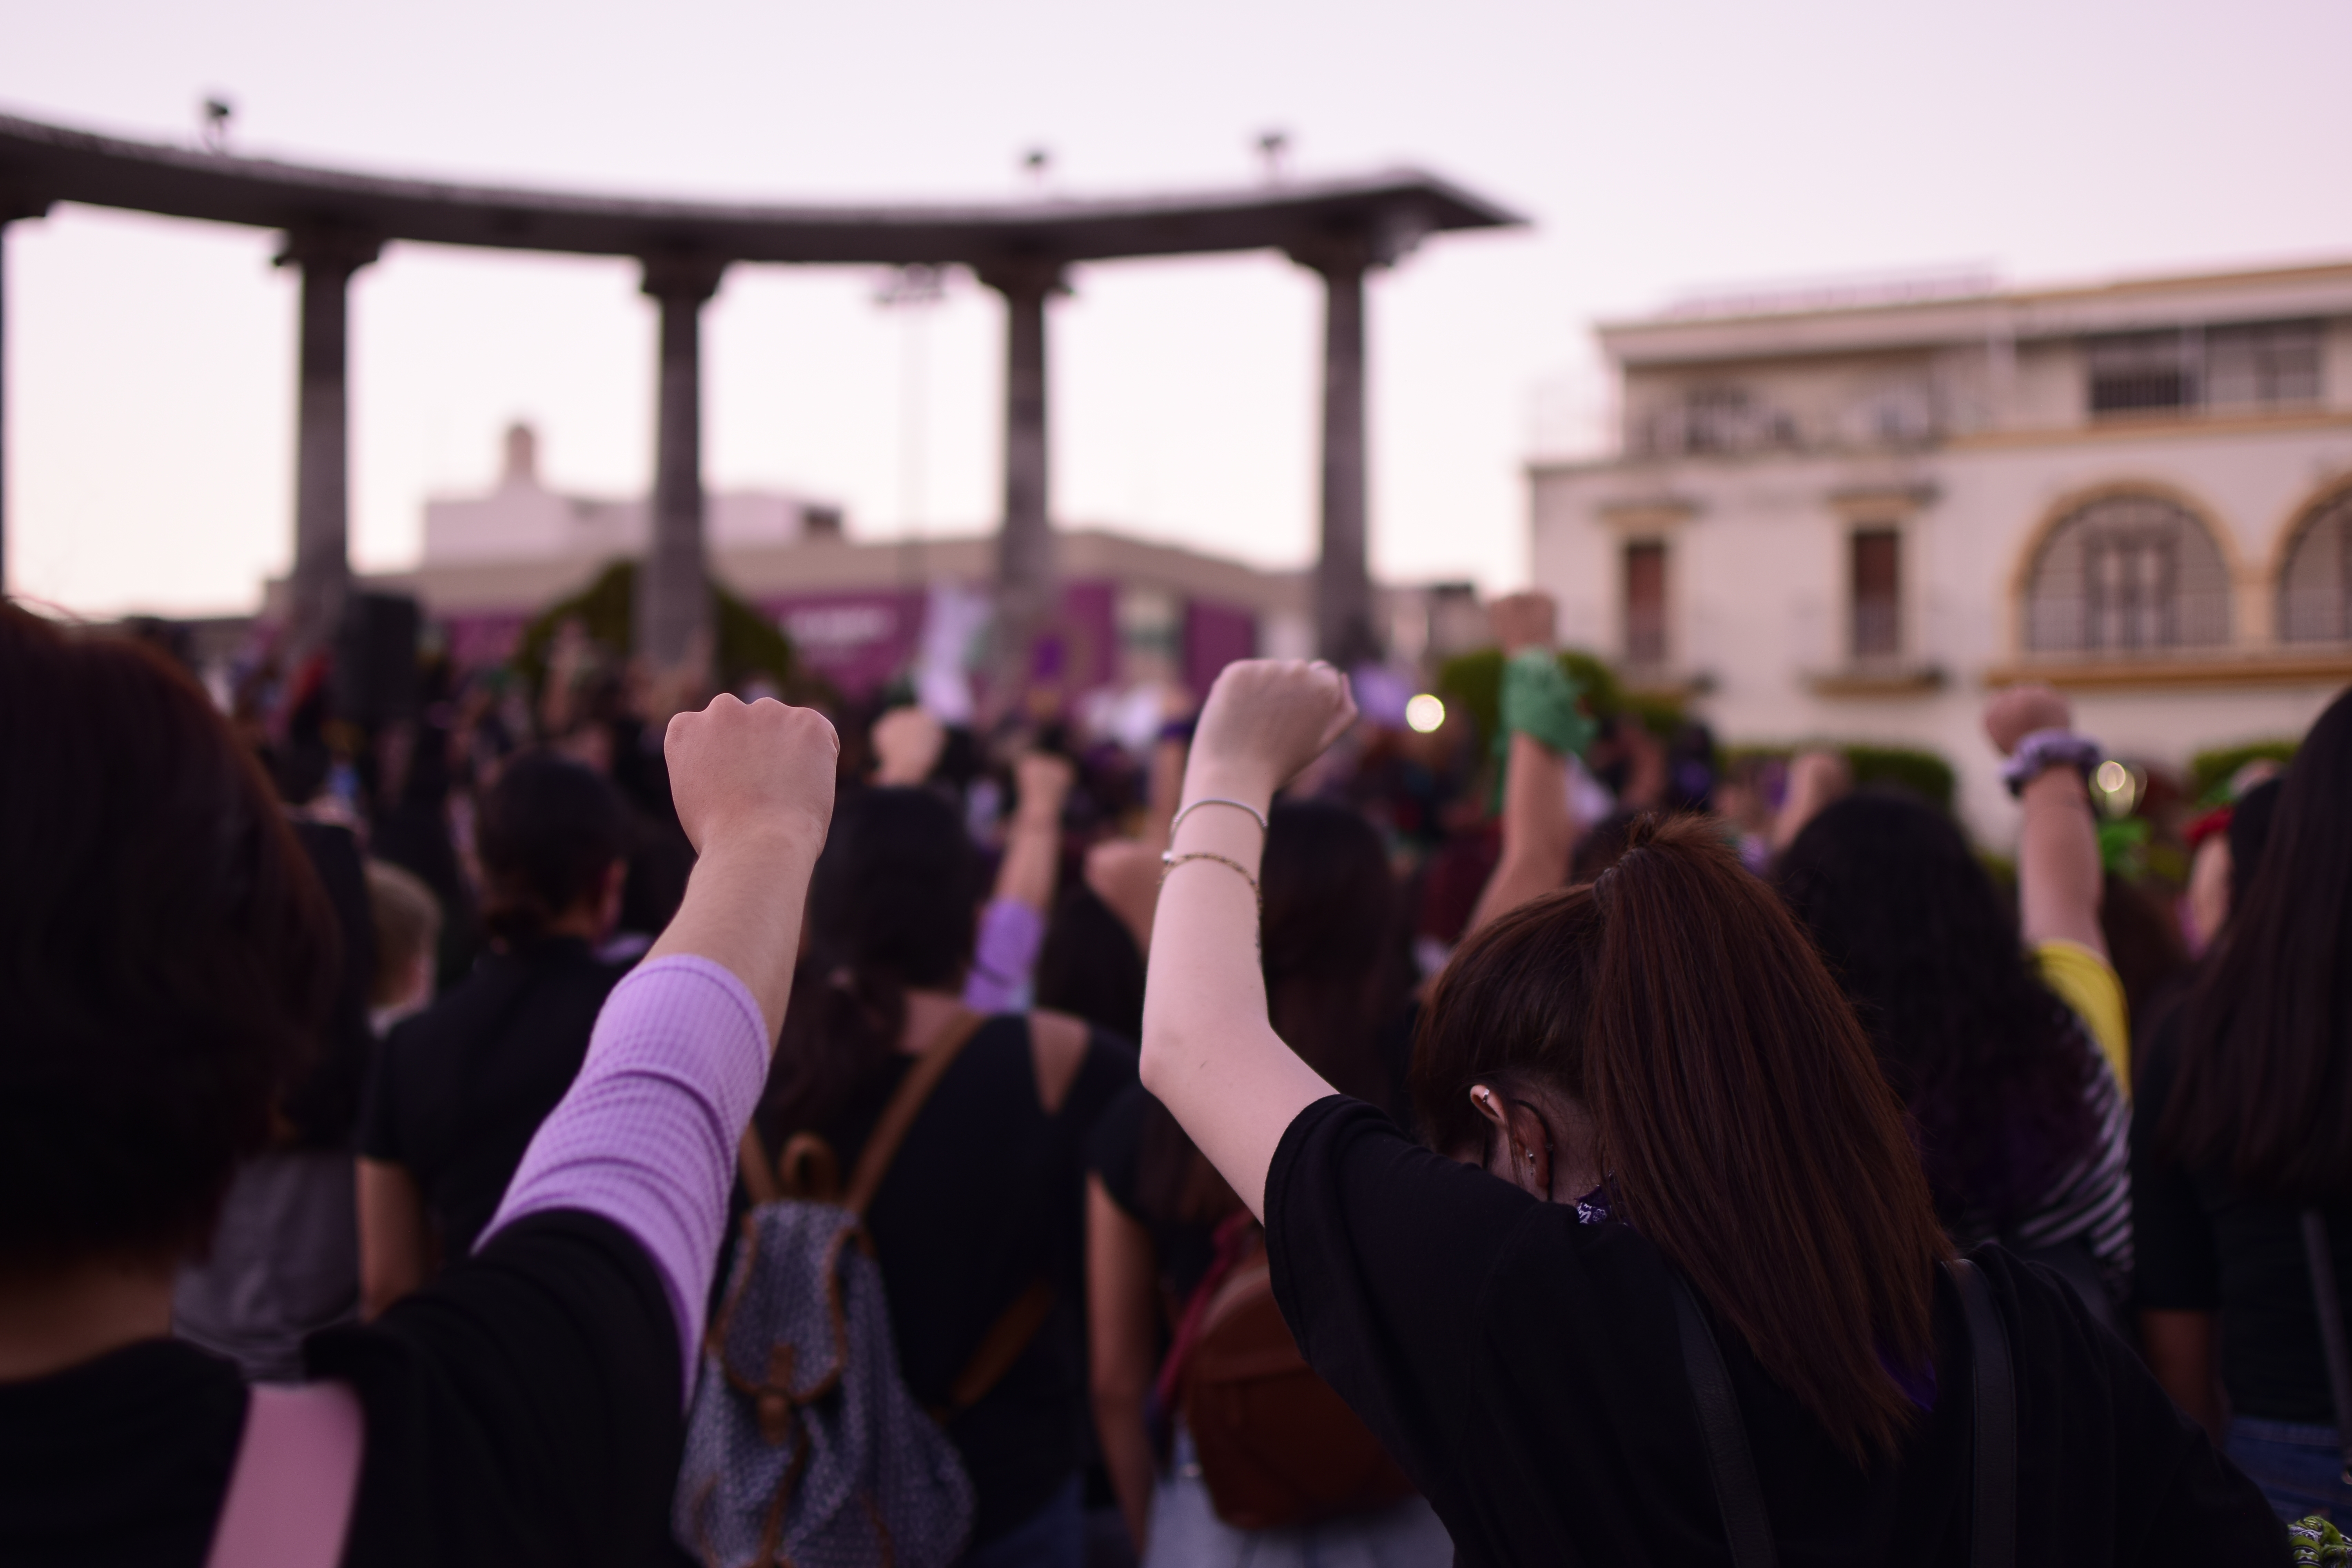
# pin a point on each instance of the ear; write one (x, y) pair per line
(1520, 1150)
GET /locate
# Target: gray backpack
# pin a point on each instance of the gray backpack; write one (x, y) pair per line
(803, 1444)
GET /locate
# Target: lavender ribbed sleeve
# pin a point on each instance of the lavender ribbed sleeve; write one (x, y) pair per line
(1005, 958)
(646, 1136)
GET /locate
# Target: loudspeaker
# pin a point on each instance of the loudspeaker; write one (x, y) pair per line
(375, 659)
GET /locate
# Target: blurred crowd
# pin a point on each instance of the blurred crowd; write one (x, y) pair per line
(1068, 1287)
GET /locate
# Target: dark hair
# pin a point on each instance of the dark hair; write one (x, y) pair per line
(1989, 1062)
(2249, 835)
(1329, 951)
(550, 831)
(1743, 1124)
(1089, 966)
(891, 909)
(166, 956)
(2265, 1086)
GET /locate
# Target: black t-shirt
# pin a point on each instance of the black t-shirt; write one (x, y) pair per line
(524, 1408)
(1114, 1153)
(1526, 1371)
(985, 1197)
(2204, 1246)
(459, 1089)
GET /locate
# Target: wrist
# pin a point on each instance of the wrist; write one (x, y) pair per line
(1231, 781)
(2044, 749)
(785, 836)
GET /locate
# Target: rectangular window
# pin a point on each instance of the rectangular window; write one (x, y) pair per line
(2247, 365)
(1645, 602)
(1877, 588)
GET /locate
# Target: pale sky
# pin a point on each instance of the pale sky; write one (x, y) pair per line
(1659, 149)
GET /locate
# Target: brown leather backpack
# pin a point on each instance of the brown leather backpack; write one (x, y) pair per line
(1277, 1445)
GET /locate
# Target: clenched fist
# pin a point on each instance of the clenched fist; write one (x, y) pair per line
(738, 770)
(1265, 719)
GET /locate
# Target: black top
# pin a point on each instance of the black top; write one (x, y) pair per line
(987, 1195)
(459, 1088)
(524, 1408)
(1525, 1370)
(1114, 1153)
(2203, 1246)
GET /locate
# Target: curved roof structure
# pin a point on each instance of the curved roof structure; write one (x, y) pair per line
(1388, 212)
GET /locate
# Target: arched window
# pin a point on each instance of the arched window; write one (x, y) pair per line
(2316, 588)
(2124, 576)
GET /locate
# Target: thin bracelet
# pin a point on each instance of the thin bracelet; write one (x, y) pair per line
(1177, 821)
(1168, 862)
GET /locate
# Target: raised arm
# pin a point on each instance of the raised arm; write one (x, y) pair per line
(1208, 1053)
(1539, 833)
(1012, 927)
(646, 1135)
(2059, 876)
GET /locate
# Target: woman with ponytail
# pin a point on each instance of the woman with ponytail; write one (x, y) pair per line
(980, 1209)
(1643, 1096)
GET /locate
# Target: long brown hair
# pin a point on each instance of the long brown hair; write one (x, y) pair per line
(1743, 1124)
(2265, 1087)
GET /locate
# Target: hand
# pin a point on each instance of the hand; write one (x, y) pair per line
(906, 745)
(1041, 781)
(2012, 715)
(1522, 621)
(1265, 719)
(1816, 778)
(743, 771)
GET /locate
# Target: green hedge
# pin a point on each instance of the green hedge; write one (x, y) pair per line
(1473, 682)
(749, 644)
(1921, 773)
(2210, 772)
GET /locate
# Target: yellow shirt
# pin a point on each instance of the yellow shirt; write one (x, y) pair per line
(2088, 983)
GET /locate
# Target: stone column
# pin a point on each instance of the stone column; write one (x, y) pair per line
(322, 569)
(1024, 547)
(673, 609)
(1343, 582)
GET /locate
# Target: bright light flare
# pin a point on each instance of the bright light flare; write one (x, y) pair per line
(1424, 713)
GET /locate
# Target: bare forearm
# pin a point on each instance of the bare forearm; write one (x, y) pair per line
(1031, 856)
(1208, 1052)
(743, 908)
(1538, 833)
(2058, 871)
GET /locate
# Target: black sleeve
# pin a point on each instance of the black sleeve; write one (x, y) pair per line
(1108, 1072)
(2176, 1269)
(1112, 1147)
(1381, 1253)
(379, 1129)
(524, 1408)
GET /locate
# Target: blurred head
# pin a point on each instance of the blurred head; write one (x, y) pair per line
(893, 907)
(1732, 1103)
(1989, 1063)
(2265, 1087)
(166, 955)
(550, 833)
(407, 921)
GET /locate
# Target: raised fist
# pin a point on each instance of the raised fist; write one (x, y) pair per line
(1266, 719)
(739, 770)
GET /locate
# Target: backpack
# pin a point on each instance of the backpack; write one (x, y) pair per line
(1277, 1444)
(802, 1443)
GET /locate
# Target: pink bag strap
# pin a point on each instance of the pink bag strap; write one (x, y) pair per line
(298, 1470)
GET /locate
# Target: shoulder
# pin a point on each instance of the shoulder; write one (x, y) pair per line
(1077, 1066)
(2088, 983)
(1341, 1161)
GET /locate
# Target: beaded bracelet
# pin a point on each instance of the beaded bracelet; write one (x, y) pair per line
(1190, 807)
(1168, 862)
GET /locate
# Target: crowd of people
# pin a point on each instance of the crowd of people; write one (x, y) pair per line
(586, 1134)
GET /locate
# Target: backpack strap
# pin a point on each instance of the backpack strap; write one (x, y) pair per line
(2318, 1258)
(999, 1348)
(289, 1503)
(1992, 1528)
(1746, 1526)
(898, 1116)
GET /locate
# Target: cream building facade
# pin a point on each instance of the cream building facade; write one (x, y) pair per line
(1849, 518)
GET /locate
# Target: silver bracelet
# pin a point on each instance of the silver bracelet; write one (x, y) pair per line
(1178, 820)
